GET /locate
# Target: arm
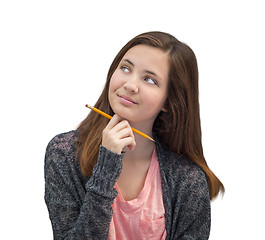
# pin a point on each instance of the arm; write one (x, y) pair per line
(77, 212)
(194, 218)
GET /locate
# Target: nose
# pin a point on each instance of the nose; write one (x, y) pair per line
(131, 85)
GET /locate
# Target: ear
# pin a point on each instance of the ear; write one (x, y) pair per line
(164, 109)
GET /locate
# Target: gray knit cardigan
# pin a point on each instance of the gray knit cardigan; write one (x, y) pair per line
(80, 207)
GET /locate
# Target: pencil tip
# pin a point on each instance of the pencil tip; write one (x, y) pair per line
(151, 139)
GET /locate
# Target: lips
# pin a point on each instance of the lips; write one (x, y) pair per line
(127, 98)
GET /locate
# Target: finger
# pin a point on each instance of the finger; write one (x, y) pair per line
(128, 142)
(120, 126)
(127, 137)
(125, 132)
(114, 121)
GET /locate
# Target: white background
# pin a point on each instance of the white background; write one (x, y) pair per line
(54, 58)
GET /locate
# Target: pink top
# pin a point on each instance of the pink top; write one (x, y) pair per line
(143, 217)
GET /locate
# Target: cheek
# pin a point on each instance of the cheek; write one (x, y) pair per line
(154, 101)
(114, 82)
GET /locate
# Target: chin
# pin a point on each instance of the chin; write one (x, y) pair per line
(122, 114)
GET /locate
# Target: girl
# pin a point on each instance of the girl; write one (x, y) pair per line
(102, 181)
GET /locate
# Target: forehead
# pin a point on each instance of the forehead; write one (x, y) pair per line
(146, 52)
(149, 58)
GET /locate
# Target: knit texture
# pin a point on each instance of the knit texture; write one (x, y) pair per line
(80, 207)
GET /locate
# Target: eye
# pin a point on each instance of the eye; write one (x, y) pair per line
(125, 69)
(150, 80)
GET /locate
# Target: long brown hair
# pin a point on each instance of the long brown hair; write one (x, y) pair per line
(179, 127)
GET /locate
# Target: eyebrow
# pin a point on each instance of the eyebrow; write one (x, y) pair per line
(147, 71)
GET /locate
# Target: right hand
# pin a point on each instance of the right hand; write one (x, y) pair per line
(117, 135)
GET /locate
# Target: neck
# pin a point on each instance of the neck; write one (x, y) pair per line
(143, 149)
(146, 128)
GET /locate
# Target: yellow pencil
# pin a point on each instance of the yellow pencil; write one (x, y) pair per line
(110, 117)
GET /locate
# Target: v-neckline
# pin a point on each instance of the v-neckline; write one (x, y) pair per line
(141, 197)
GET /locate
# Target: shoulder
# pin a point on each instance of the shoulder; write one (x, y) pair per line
(62, 144)
(180, 171)
(63, 141)
(171, 161)
(60, 156)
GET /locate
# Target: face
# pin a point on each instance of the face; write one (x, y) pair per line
(138, 87)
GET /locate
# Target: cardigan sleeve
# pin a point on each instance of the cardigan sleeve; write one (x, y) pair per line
(194, 218)
(76, 210)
